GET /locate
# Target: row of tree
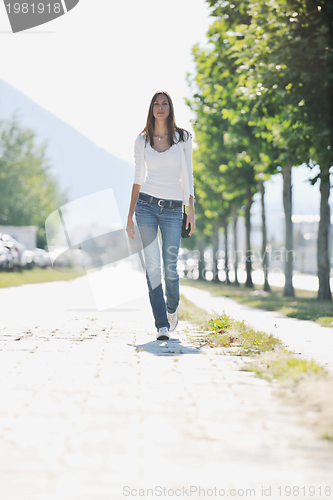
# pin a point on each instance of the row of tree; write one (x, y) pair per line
(28, 191)
(263, 103)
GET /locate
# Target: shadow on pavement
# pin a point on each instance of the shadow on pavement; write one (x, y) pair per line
(169, 347)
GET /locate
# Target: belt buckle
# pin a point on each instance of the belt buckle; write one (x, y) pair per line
(158, 203)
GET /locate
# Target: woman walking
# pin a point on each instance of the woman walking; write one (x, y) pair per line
(163, 180)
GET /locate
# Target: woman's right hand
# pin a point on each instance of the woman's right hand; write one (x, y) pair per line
(130, 224)
(130, 229)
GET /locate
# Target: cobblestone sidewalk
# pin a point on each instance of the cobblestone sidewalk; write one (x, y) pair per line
(94, 408)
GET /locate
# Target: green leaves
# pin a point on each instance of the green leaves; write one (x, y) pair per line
(28, 192)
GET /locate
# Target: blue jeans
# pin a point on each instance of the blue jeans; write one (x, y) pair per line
(149, 218)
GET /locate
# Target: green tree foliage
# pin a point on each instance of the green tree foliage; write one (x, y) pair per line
(28, 192)
(228, 148)
(263, 100)
(287, 51)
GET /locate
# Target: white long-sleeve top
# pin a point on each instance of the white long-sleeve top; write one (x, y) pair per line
(167, 175)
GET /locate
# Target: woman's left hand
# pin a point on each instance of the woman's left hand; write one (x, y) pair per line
(191, 220)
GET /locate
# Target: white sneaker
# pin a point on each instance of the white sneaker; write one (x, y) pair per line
(163, 333)
(173, 320)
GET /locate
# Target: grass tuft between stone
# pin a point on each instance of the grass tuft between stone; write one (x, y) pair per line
(285, 366)
(224, 331)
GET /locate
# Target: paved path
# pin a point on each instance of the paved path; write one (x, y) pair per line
(304, 337)
(92, 407)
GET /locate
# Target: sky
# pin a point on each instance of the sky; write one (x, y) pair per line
(98, 66)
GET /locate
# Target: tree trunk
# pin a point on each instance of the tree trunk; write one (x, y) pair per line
(201, 248)
(234, 227)
(264, 238)
(215, 242)
(226, 254)
(323, 246)
(289, 253)
(249, 282)
(323, 258)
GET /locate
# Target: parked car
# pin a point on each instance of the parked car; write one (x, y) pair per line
(28, 259)
(15, 248)
(41, 258)
(6, 258)
(68, 260)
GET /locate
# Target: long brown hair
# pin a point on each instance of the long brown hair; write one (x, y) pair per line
(172, 127)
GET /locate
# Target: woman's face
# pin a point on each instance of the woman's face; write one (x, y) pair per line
(161, 107)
